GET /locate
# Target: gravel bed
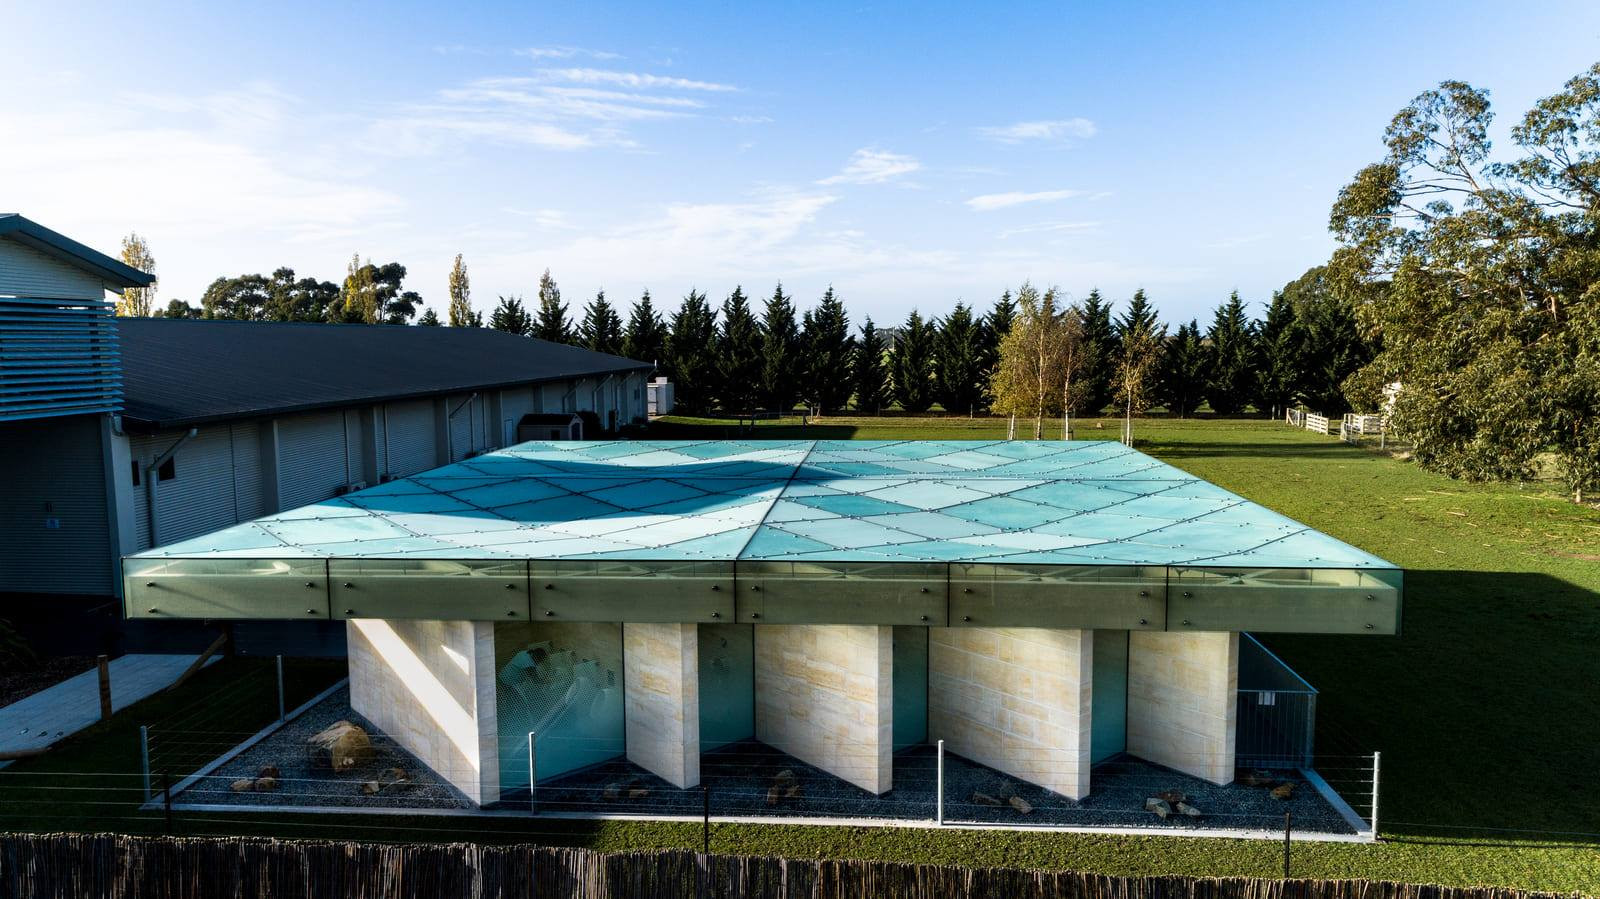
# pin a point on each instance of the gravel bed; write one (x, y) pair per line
(300, 783)
(740, 780)
(744, 779)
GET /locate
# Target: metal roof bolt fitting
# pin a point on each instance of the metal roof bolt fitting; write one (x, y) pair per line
(755, 614)
(311, 584)
(1144, 592)
(966, 617)
(549, 586)
(349, 586)
(1142, 621)
(1186, 595)
(549, 613)
(311, 611)
(150, 584)
(966, 589)
(152, 610)
(511, 613)
(349, 611)
(511, 586)
(924, 618)
(1369, 627)
(1370, 597)
(1185, 621)
(715, 587)
(716, 614)
(924, 589)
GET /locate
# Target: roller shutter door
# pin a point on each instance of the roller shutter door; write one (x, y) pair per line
(312, 461)
(411, 444)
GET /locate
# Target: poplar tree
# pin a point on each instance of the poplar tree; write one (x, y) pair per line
(960, 361)
(1183, 368)
(739, 362)
(825, 335)
(1100, 346)
(1230, 371)
(691, 354)
(511, 316)
(911, 365)
(868, 376)
(781, 359)
(359, 296)
(645, 337)
(460, 311)
(551, 321)
(601, 330)
(137, 301)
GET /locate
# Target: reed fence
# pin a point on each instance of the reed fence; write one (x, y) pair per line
(92, 866)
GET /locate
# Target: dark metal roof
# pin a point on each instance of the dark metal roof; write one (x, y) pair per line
(30, 233)
(185, 372)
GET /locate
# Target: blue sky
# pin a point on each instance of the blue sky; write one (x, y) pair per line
(910, 155)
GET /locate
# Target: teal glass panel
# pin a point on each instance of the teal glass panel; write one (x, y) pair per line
(1109, 700)
(727, 684)
(562, 682)
(910, 686)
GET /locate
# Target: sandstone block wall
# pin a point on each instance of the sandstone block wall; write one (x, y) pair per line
(662, 696)
(825, 694)
(429, 685)
(1183, 700)
(1015, 699)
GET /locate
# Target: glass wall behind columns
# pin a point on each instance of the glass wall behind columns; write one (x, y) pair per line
(727, 684)
(1109, 695)
(562, 682)
(910, 686)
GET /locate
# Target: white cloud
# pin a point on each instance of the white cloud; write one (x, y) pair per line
(869, 166)
(1048, 227)
(565, 53)
(1040, 130)
(632, 79)
(990, 202)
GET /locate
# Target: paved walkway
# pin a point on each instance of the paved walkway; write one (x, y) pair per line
(58, 712)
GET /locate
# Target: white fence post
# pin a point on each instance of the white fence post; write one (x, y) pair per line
(532, 805)
(144, 758)
(1377, 762)
(938, 807)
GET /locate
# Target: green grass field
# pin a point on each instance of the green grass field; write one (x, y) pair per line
(1482, 708)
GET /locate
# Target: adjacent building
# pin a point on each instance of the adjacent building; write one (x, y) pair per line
(117, 435)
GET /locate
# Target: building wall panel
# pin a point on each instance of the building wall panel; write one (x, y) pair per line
(312, 459)
(54, 527)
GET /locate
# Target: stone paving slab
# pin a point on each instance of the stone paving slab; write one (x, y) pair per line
(58, 712)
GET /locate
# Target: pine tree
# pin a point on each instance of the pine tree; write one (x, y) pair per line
(1100, 347)
(739, 356)
(691, 354)
(1182, 378)
(429, 318)
(551, 322)
(868, 376)
(460, 311)
(960, 362)
(511, 316)
(1230, 362)
(781, 358)
(826, 337)
(1278, 367)
(995, 327)
(911, 364)
(137, 301)
(646, 335)
(601, 330)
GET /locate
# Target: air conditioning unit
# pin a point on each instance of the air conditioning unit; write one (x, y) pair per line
(387, 476)
(350, 488)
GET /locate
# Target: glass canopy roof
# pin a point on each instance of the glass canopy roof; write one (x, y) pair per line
(995, 502)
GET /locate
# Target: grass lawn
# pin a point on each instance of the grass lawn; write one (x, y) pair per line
(1482, 708)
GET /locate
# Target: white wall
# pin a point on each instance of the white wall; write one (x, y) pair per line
(26, 272)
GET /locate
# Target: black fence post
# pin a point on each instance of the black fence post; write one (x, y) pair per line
(1287, 817)
(166, 801)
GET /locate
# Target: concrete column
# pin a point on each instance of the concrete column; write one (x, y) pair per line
(825, 695)
(1015, 699)
(661, 680)
(1183, 701)
(429, 685)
